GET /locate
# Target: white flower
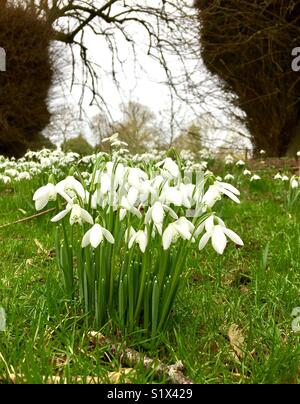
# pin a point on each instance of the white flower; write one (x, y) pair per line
(262, 152)
(78, 215)
(110, 138)
(217, 233)
(255, 177)
(278, 176)
(228, 177)
(43, 195)
(127, 206)
(285, 178)
(140, 237)
(294, 183)
(156, 214)
(240, 163)
(96, 235)
(171, 195)
(69, 188)
(298, 153)
(246, 172)
(180, 228)
(214, 193)
(169, 169)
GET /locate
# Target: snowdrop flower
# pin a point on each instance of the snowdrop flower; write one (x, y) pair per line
(293, 182)
(69, 188)
(285, 178)
(5, 179)
(171, 195)
(228, 177)
(119, 143)
(110, 138)
(228, 159)
(156, 214)
(217, 233)
(96, 235)
(262, 152)
(140, 237)
(298, 153)
(170, 169)
(180, 228)
(127, 206)
(43, 195)
(214, 193)
(240, 163)
(78, 214)
(278, 176)
(255, 177)
(246, 172)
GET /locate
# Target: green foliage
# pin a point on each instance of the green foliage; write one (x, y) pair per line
(78, 145)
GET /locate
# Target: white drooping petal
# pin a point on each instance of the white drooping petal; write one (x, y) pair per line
(132, 195)
(199, 229)
(230, 195)
(170, 211)
(86, 239)
(173, 195)
(75, 216)
(157, 213)
(168, 236)
(203, 241)
(184, 228)
(41, 193)
(211, 196)
(122, 214)
(86, 216)
(96, 236)
(41, 202)
(132, 240)
(233, 236)
(230, 188)
(209, 224)
(107, 234)
(148, 215)
(60, 215)
(129, 233)
(77, 186)
(105, 183)
(142, 240)
(218, 239)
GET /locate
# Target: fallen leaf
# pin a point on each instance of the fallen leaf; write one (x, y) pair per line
(237, 341)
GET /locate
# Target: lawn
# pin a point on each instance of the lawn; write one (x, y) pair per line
(231, 323)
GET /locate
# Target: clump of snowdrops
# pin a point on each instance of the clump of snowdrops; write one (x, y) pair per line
(124, 234)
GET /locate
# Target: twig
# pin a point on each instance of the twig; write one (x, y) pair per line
(24, 219)
(130, 357)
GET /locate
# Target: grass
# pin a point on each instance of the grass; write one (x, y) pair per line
(254, 287)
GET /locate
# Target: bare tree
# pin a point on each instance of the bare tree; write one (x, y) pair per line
(65, 124)
(171, 33)
(248, 45)
(138, 128)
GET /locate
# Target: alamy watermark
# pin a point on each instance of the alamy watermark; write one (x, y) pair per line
(2, 60)
(296, 61)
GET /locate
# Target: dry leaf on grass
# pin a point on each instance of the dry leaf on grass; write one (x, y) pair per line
(237, 341)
